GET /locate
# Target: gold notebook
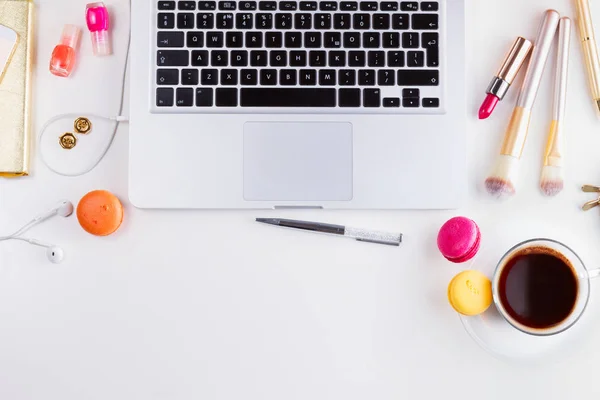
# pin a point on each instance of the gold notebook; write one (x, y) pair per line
(15, 91)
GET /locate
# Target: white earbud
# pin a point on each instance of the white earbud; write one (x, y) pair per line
(54, 253)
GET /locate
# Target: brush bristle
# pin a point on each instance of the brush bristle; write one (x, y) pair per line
(552, 181)
(501, 181)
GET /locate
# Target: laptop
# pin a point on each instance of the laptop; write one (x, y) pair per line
(297, 104)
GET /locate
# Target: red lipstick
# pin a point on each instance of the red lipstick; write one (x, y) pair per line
(507, 73)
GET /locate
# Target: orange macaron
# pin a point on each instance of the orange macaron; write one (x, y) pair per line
(100, 213)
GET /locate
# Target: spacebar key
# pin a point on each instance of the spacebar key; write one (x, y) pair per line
(288, 97)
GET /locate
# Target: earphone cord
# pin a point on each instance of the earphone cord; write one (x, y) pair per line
(117, 120)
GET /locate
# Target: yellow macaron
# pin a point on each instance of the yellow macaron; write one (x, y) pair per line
(470, 292)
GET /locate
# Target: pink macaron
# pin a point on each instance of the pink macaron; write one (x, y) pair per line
(459, 239)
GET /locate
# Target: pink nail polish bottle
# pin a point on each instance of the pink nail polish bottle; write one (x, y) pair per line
(63, 57)
(96, 16)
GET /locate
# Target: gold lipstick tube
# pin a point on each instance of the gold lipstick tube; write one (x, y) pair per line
(510, 67)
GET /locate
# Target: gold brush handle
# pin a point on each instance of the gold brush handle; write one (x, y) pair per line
(516, 133)
(590, 48)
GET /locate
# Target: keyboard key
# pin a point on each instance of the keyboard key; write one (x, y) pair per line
(264, 21)
(166, 5)
(429, 6)
(361, 21)
(209, 77)
(227, 5)
(352, 40)
(244, 21)
(429, 102)
(410, 102)
(371, 98)
(433, 57)
(267, 5)
(268, 77)
(239, 58)
(248, 5)
(254, 39)
(283, 21)
(194, 39)
(207, 5)
(229, 77)
(371, 40)
(425, 21)
(167, 77)
(391, 40)
(317, 58)
(410, 40)
(342, 21)
(219, 58)
(234, 39)
(381, 21)
(298, 58)
(288, 5)
(366, 77)
(278, 58)
(357, 59)
(388, 6)
(386, 77)
(400, 21)
(312, 40)
(333, 40)
(395, 59)
(199, 58)
(415, 59)
(172, 58)
(249, 76)
(166, 21)
(224, 21)
(164, 97)
(409, 6)
(185, 20)
(274, 39)
(391, 102)
(327, 77)
(349, 6)
(293, 40)
(308, 77)
(184, 97)
(303, 21)
(308, 5)
(368, 6)
(205, 20)
(349, 97)
(204, 97)
(337, 58)
(189, 77)
(258, 58)
(418, 77)
(170, 39)
(227, 97)
(287, 77)
(376, 59)
(322, 21)
(328, 6)
(411, 93)
(288, 97)
(347, 77)
(186, 5)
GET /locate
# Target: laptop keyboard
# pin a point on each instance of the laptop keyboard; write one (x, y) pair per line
(335, 56)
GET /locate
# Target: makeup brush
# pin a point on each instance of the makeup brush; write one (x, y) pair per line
(552, 180)
(501, 181)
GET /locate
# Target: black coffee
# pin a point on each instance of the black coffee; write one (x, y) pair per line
(538, 287)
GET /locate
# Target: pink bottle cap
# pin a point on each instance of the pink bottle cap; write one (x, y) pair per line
(97, 18)
(459, 239)
(70, 36)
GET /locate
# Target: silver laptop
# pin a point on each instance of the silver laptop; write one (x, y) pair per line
(307, 104)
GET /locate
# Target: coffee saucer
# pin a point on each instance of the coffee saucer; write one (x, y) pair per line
(495, 335)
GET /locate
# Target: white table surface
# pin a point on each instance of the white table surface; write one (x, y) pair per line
(210, 305)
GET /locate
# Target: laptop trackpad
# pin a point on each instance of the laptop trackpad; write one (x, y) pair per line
(298, 161)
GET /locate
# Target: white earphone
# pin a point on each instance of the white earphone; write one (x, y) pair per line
(54, 253)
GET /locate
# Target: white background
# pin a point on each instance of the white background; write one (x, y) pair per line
(211, 305)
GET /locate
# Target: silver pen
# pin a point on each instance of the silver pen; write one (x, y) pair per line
(362, 235)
